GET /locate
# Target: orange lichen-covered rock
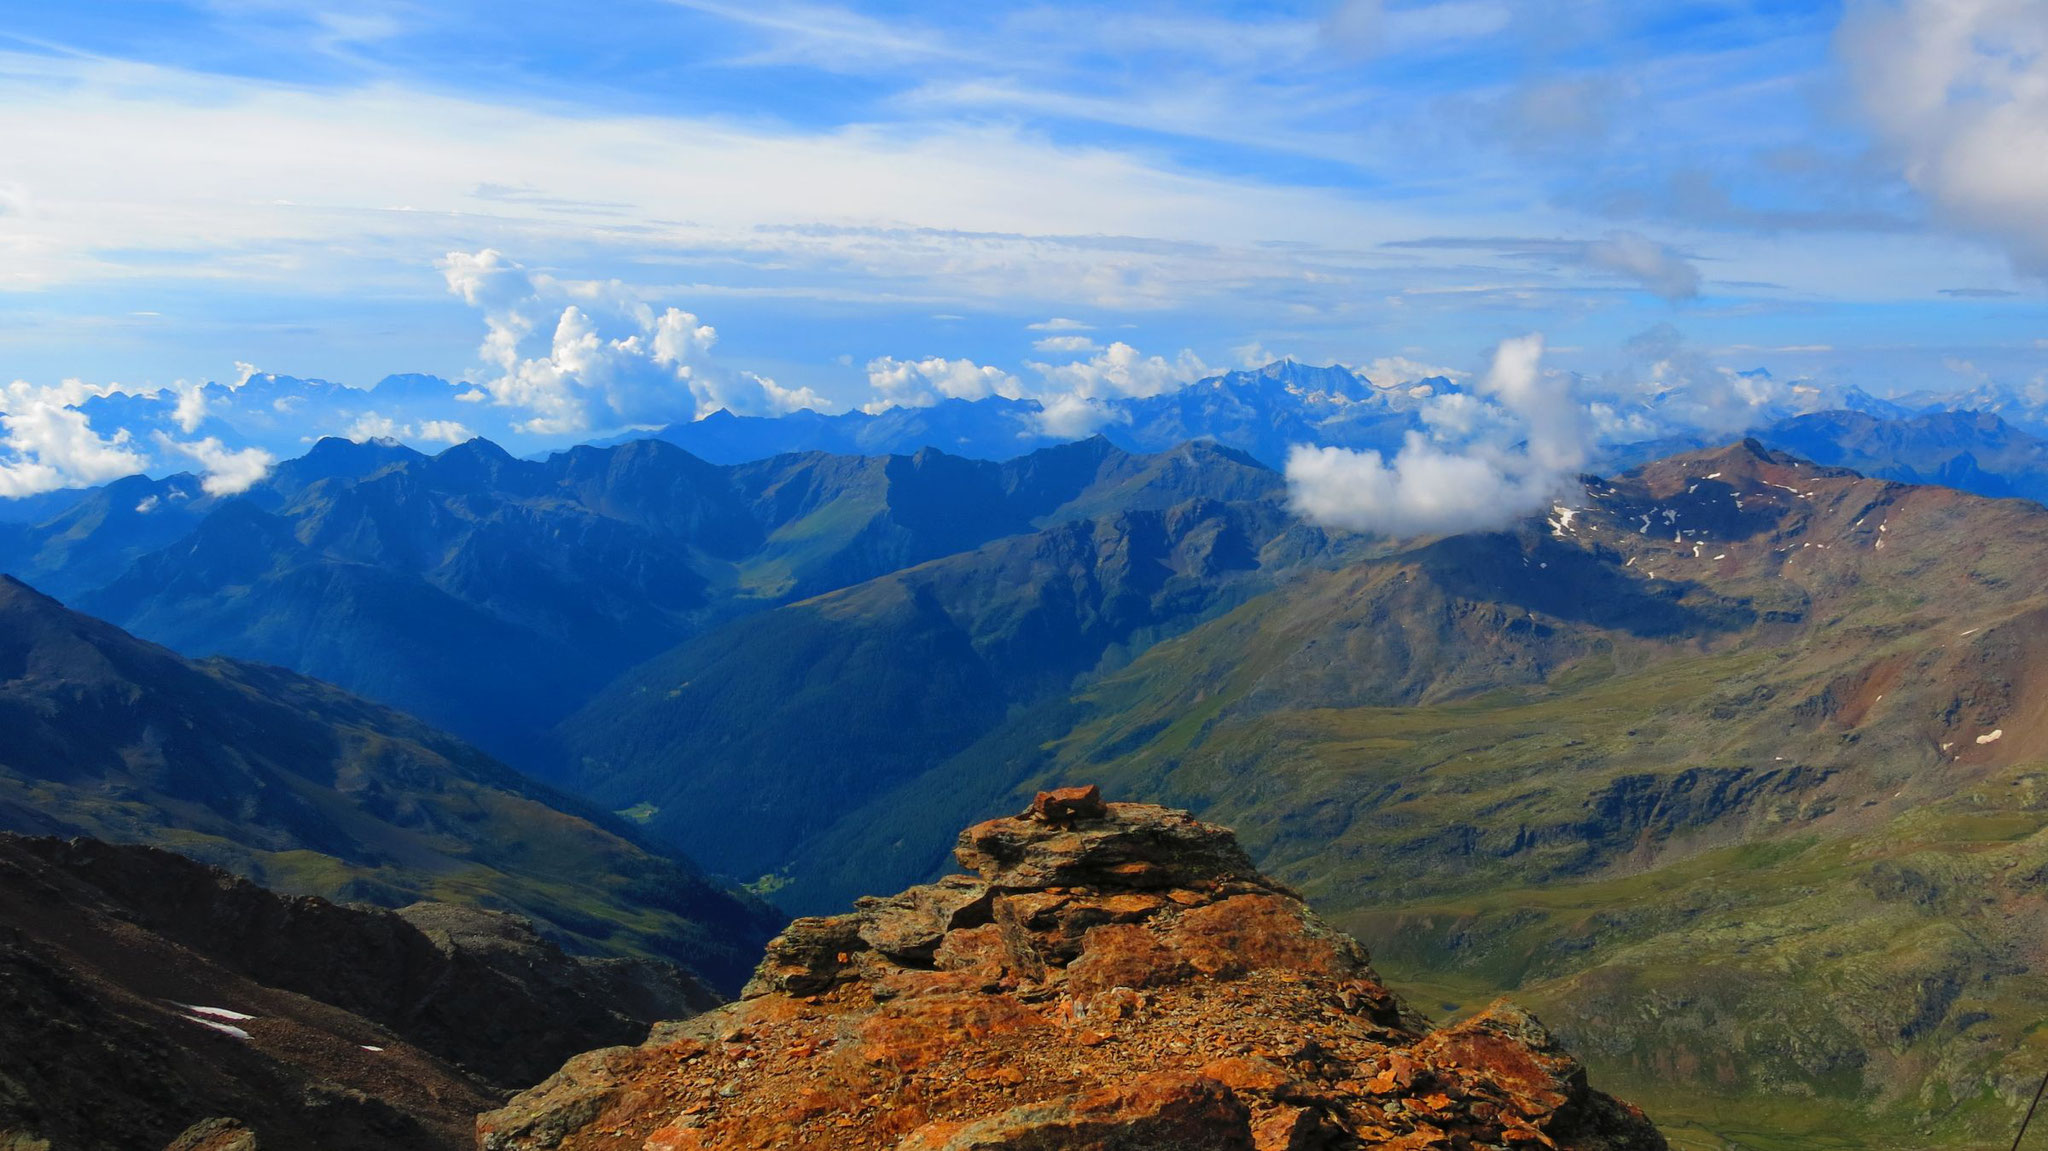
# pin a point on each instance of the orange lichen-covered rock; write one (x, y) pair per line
(1111, 976)
(1182, 1112)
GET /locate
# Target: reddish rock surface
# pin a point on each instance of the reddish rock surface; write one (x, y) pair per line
(1113, 976)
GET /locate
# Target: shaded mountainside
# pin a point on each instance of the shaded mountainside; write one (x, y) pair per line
(492, 596)
(752, 739)
(1111, 976)
(310, 790)
(1730, 766)
(142, 993)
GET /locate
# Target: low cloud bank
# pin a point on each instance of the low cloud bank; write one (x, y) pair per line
(1487, 457)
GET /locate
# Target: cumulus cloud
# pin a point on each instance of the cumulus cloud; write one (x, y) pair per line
(1957, 91)
(225, 471)
(1121, 371)
(50, 444)
(1654, 266)
(1485, 460)
(1077, 398)
(922, 383)
(574, 356)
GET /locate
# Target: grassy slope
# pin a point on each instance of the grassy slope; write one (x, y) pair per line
(1736, 865)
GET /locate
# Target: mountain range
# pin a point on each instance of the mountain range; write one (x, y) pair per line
(495, 596)
(1725, 763)
(1728, 765)
(309, 790)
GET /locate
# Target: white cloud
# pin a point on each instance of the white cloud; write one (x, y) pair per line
(1957, 91)
(1685, 390)
(1400, 371)
(1072, 417)
(190, 410)
(1658, 268)
(607, 359)
(226, 472)
(52, 444)
(1120, 371)
(1065, 344)
(371, 426)
(1430, 487)
(1060, 324)
(922, 383)
(444, 432)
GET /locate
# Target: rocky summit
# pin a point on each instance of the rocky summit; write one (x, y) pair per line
(1111, 975)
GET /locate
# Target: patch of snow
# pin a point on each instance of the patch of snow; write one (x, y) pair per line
(1993, 736)
(223, 1028)
(1646, 525)
(1972, 631)
(1631, 562)
(1722, 556)
(1715, 476)
(367, 1047)
(217, 1012)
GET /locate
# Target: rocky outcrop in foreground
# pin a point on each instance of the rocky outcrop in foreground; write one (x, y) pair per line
(1111, 976)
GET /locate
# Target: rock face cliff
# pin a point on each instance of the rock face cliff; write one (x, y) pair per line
(1111, 976)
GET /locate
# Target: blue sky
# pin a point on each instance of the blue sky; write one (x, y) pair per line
(765, 204)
